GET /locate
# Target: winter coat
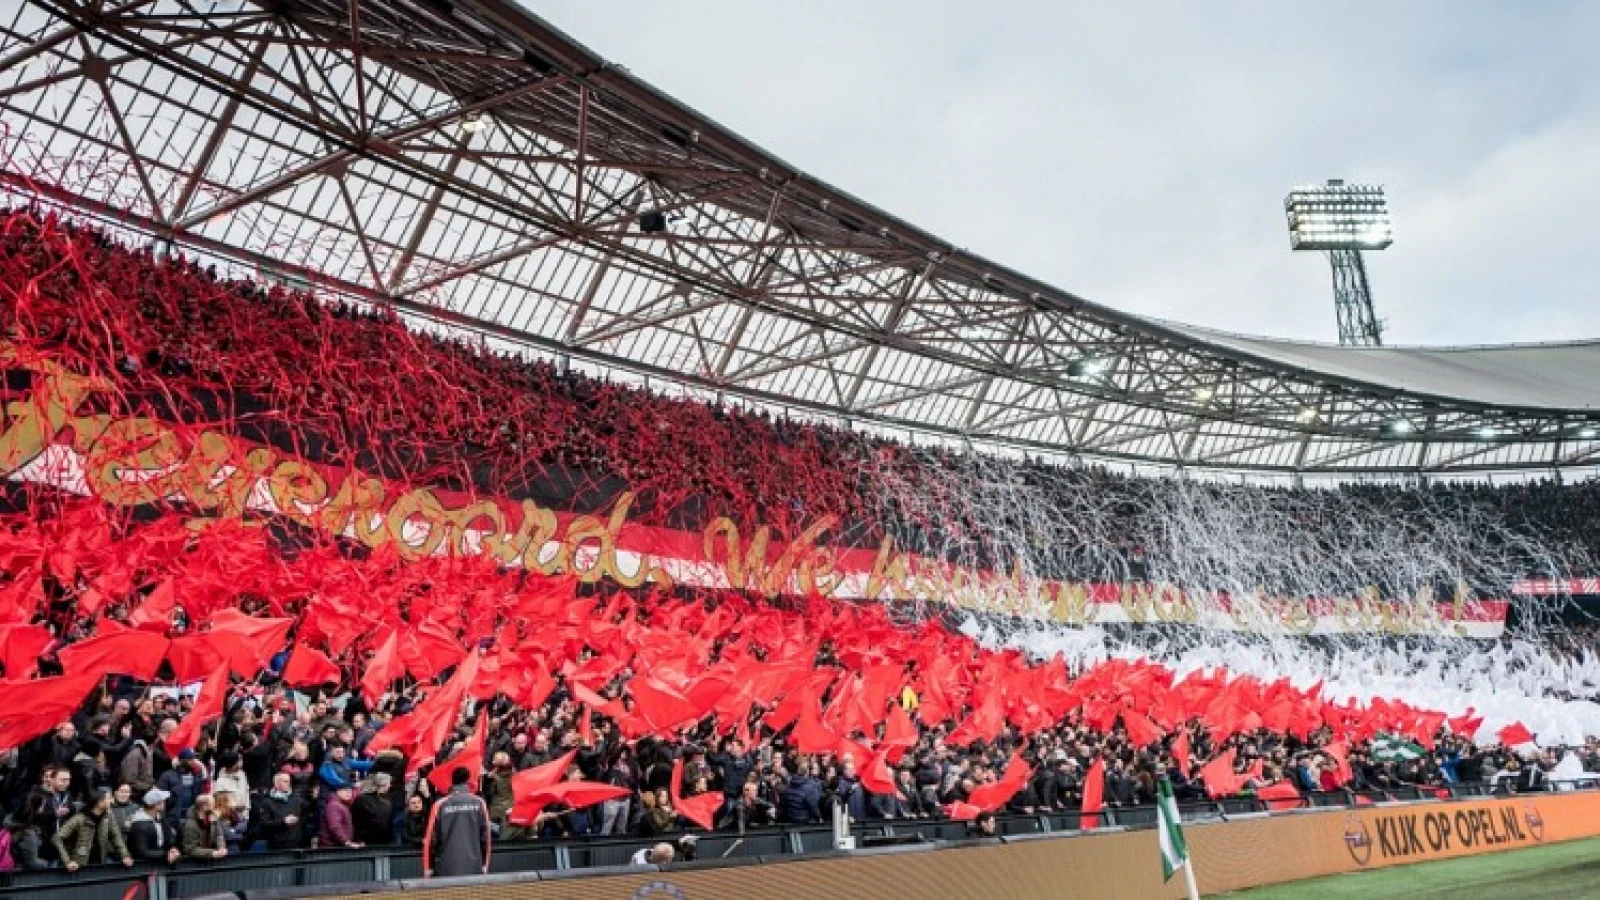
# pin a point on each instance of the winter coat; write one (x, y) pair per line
(138, 769)
(802, 801)
(201, 840)
(271, 812)
(238, 785)
(457, 840)
(337, 829)
(87, 838)
(183, 784)
(149, 839)
(373, 819)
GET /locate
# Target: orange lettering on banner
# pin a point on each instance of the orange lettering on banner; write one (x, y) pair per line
(134, 460)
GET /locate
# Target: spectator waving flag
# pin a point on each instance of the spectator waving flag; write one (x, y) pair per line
(1169, 832)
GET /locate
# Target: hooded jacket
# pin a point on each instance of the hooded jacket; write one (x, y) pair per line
(149, 838)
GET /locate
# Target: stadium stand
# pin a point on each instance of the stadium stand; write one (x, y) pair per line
(605, 719)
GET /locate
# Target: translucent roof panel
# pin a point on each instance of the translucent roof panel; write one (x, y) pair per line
(471, 167)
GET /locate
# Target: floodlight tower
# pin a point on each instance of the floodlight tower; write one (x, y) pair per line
(1344, 219)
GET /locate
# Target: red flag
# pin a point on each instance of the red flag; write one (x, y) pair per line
(664, 708)
(961, 812)
(875, 776)
(899, 733)
(1514, 734)
(137, 654)
(34, 707)
(470, 758)
(532, 691)
(249, 642)
(207, 706)
(194, 656)
(996, 794)
(427, 650)
(20, 646)
(1219, 777)
(309, 667)
(701, 809)
(1141, 731)
(810, 735)
(1280, 795)
(1180, 752)
(1467, 726)
(383, 668)
(1094, 791)
(155, 613)
(528, 781)
(419, 733)
(576, 794)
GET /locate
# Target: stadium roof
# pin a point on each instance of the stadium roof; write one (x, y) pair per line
(469, 165)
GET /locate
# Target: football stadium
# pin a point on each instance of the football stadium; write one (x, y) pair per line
(436, 460)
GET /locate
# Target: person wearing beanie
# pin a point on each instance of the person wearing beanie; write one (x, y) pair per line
(183, 783)
(338, 828)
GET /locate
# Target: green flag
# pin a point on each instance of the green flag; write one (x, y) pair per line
(1174, 852)
(1389, 748)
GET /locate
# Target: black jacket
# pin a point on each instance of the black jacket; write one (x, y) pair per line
(802, 800)
(279, 834)
(148, 840)
(735, 771)
(373, 819)
(458, 835)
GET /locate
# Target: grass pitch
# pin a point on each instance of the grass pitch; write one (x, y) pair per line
(1567, 870)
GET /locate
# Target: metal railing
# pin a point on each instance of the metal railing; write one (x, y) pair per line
(248, 872)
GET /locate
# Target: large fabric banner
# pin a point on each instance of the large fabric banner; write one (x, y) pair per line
(57, 436)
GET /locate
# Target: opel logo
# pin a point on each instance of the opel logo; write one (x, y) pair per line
(1530, 814)
(1357, 839)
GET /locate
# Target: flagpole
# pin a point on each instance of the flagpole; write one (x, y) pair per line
(1188, 877)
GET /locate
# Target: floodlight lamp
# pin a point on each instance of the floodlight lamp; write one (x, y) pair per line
(474, 123)
(1338, 216)
(1587, 433)
(1307, 413)
(1401, 426)
(1204, 394)
(1487, 433)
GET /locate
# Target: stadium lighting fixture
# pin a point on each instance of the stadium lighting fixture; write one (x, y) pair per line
(1343, 220)
(1306, 414)
(1587, 433)
(1401, 426)
(474, 123)
(1204, 394)
(1487, 433)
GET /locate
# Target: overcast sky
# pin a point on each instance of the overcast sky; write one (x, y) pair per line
(1138, 153)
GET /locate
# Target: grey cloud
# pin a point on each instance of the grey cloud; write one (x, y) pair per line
(1138, 153)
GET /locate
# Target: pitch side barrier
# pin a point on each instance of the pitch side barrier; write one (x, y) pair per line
(1239, 842)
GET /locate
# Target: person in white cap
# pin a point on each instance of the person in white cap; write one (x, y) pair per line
(149, 837)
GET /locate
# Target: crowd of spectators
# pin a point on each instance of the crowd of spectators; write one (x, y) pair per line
(285, 770)
(354, 385)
